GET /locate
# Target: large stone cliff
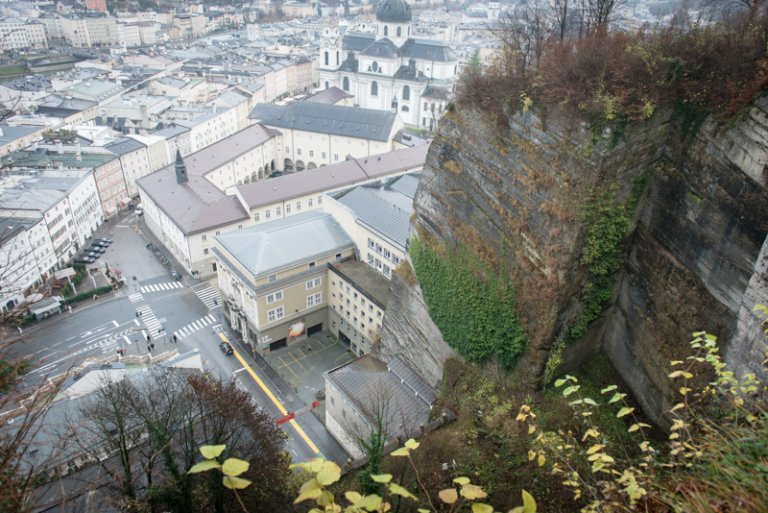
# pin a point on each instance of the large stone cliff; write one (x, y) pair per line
(691, 259)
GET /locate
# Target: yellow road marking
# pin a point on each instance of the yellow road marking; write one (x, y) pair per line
(271, 396)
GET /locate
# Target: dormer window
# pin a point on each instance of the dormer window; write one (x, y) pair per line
(386, 30)
(375, 66)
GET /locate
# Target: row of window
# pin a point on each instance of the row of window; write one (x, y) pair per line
(379, 265)
(288, 209)
(311, 152)
(385, 252)
(279, 312)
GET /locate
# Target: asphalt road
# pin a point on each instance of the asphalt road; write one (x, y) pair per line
(153, 303)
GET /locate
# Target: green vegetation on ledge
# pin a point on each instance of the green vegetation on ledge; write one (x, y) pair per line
(473, 306)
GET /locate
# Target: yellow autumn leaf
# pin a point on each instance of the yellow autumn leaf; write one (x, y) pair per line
(212, 451)
(479, 507)
(234, 467)
(472, 492)
(448, 496)
(235, 483)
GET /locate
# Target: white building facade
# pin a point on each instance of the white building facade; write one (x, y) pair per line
(390, 70)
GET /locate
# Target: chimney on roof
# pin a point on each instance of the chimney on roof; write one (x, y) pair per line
(181, 169)
(60, 148)
(412, 65)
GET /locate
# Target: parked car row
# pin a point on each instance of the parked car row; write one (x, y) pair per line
(94, 251)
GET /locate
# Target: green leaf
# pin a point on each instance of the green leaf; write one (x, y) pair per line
(353, 497)
(461, 480)
(571, 389)
(479, 507)
(210, 452)
(607, 389)
(396, 489)
(370, 502)
(203, 466)
(617, 397)
(624, 411)
(448, 496)
(309, 490)
(235, 483)
(381, 478)
(402, 451)
(529, 504)
(325, 499)
(560, 382)
(329, 473)
(589, 401)
(472, 492)
(234, 467)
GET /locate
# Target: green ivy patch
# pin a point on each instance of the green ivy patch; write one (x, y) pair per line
(473, 306)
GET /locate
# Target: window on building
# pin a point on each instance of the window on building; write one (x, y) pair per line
(298, 151)
(338, 257)
(311, 265)
(311, 153)
(287, 149)
(277, 313)
(298, 206)
(272, 277)
(395, 259)
(288, 208)
(335, 157)
(274, 297)
(319, 200)
(314, 299)
(370, 259)
(325, 58)
(311, 284)
(387, 270)
(322, 155)
(378, 249)
(374, 88)
(268, 214)
(205, 237)
(387, 254)
(345, 83)
(205, 251)
(278, 211)
(405, 108)
(379, 264)
(309, 202)
(371, 244)
(399, 32)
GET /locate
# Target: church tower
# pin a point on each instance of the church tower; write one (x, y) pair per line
(330, 57)
(181, 169)
(393, 21)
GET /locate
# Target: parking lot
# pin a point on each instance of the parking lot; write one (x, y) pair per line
(302, 364)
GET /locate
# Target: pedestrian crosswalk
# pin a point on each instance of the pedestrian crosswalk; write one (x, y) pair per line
(136, 298)
(208, 295)
(147, 317)
(194, 326)
(159, 287)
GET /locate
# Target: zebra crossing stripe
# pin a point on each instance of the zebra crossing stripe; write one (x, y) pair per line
(157, 287)
(135, 298)
(194, 326)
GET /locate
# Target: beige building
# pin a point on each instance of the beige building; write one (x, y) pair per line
(356, 305)
(317, 134)
(273, 277)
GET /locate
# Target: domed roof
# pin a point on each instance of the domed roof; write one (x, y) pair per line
(394, 11)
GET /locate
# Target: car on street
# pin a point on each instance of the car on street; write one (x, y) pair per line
(84, 260)
(96, 249)
(175, 274)
(105, 240)
(99, 244)
(226, 348)
(91, 254)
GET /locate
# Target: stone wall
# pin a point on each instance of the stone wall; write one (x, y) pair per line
(691, 261)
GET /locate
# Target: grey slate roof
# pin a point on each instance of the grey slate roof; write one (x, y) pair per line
(357, 41)
(329, 96)
(355, 122)
(406, 73)
(436, 92)
(378, 215)
(334, 176)
(124, 145)
(384, 208)
(367, 381)
(428, 50)
(11, 133)
(411, 379)
(383, 48)
(283, 243)
(369, 281)
(198, 205)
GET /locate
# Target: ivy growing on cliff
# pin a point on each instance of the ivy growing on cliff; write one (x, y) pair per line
(473, 305)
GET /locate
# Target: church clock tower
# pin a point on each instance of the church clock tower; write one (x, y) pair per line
(330, 57)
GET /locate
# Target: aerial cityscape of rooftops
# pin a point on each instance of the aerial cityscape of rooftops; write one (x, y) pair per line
(222, 189)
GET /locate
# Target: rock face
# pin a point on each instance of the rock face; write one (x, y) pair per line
(690, 262)
(409, 331)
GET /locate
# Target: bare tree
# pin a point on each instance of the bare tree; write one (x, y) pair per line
(599, 13)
